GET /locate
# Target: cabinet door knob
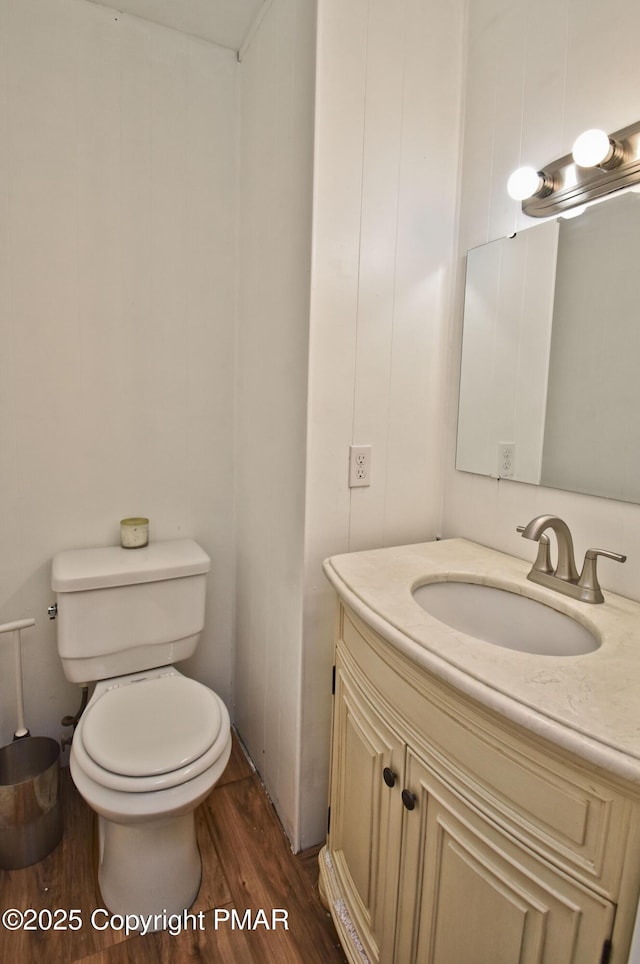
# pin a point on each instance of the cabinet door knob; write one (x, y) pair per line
(389, 777)
(409, 799)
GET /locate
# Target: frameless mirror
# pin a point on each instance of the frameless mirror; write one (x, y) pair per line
(550, 378)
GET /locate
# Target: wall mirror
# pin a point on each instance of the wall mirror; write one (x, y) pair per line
(550, 377)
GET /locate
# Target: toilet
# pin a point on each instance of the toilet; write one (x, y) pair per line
(151, 743)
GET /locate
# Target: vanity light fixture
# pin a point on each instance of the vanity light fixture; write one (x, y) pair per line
(599, 165)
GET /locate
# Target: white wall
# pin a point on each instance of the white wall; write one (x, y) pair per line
(536, 77)
(276, 153)
(384, 178)
(122, 161)
(126, 178)
(387, 123)
(117, 253)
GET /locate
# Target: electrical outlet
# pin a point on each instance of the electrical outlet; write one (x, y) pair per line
(506, 459)
(359, 465)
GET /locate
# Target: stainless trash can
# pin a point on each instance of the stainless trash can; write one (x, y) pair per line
(30, 807)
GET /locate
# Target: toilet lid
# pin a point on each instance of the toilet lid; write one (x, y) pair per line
(155, 725)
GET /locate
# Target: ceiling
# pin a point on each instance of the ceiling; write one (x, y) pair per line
(225, 22)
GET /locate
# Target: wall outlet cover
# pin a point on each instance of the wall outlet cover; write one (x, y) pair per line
(359, 465)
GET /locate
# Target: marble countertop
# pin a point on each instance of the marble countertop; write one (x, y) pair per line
(588, 704)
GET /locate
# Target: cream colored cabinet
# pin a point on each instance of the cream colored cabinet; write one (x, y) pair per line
(469, 894)
(365, 825)
(454, 839)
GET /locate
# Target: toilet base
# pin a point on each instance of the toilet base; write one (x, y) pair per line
(151, 868)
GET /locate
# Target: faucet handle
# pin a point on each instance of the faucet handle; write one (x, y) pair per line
(589, 576)
(543, 559)
(616, 556)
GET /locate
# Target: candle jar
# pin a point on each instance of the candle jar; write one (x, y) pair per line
(134, 533)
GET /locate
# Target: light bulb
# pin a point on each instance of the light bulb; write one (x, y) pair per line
(524, 183)
(592, 148)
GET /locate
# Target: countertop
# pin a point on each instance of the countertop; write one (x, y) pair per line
(587, 704)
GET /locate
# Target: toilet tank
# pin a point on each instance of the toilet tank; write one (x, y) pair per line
(125, 610)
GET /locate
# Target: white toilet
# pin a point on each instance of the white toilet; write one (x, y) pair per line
(151, 743)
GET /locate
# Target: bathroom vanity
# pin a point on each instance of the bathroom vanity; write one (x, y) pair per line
(485, 801)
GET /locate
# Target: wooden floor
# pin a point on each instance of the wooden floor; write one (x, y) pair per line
(247, 865)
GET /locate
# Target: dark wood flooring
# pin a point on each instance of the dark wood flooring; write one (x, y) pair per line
(247, 865)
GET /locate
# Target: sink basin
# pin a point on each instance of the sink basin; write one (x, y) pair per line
(505, 619)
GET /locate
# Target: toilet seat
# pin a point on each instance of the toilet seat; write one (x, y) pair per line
(129, 730)
(150, 733)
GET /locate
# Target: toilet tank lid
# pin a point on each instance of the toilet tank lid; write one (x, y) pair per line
(75, 570)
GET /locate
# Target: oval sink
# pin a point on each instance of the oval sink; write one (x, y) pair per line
(505, 619)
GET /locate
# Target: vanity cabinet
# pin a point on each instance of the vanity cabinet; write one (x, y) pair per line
(456, 836)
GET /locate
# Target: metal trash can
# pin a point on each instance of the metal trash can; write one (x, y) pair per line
(30, 807)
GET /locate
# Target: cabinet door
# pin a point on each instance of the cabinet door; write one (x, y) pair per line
(364, 836)
(470, 895)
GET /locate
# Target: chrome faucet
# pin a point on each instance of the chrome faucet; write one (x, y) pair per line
(564, 578)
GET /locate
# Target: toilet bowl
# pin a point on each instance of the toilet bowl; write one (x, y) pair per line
(147, 751)
(151, 743)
